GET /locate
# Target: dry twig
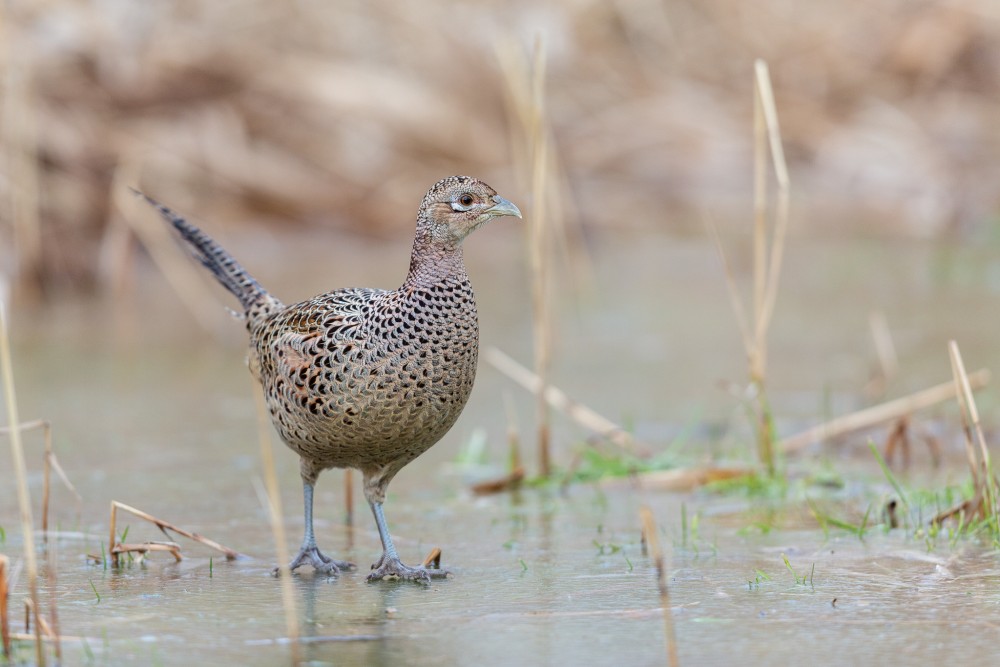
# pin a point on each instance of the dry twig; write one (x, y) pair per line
(652, 540)
(558, 399)
(983, 503)
(4, 618)
(511, 480)
(277, 521)
(20, 472)
(164, 526)
(878, 414)
(51, 462)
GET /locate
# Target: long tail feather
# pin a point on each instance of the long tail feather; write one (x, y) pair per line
(214, 257)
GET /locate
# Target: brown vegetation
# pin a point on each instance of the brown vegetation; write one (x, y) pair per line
(337, 115)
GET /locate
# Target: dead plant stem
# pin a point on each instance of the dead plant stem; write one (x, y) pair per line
(4, 617)
(652, 540)
(21, 473)
(878, 414)
(277, 522)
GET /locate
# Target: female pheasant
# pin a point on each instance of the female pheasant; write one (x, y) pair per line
(367, 378)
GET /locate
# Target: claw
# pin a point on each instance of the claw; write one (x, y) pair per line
(392, 568)
(320, 562)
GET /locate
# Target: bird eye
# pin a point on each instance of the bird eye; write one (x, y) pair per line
(463, 202)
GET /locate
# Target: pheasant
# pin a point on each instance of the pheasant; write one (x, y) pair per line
(367, 378)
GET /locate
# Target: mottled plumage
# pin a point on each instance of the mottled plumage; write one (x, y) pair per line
(367, 378)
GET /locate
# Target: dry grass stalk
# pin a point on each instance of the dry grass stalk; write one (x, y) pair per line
(4, 618)
(898, 439)
(768, 253)
(508, 482)
(651, 539)
(558, 399)
(885, 351)
(540, 252)
(687, 479)
(51, 462)
(983, 503)
(433, 559)
(164, 526)
(20, 471)
(277, 521)
(52, 584)
(42, 627)
(512, 480)
(144, 548)
(526, 103)
(878, 414)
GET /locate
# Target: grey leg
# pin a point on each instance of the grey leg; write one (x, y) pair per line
(389, 565)
(310, 553)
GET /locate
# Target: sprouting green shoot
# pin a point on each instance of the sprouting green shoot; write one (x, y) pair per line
(524, 566)
(94, 588)
(759, 576)
(803, 580)
(609, 548)
(864, 522)
(209, 567)
(628, 563)
(789, 566)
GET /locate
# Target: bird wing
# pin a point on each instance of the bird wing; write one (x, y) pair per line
(324, 332)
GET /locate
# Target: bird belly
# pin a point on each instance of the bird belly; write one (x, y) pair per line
(371, 416)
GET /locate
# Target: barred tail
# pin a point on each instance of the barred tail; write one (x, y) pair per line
(223, 266)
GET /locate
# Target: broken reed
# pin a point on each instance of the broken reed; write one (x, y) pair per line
(538, 134)
(20, 472)
(50, 463)
(878, 414)
(4, 618)
(985, 492)
(651, 539)
(581, 414)
(115, 548)
(525, 97)
(768, 251)
(277, 521)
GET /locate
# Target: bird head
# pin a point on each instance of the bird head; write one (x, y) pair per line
(457, 206)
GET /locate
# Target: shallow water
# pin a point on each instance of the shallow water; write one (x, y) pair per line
(151, 410)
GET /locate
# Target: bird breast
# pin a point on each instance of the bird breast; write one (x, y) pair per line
(365, 377)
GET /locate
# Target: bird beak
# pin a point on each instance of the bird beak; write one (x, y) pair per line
(502, 207)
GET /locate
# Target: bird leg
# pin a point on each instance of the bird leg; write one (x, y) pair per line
(310, 553)
(389, 566)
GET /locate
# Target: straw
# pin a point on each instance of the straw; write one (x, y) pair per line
(20, 471)
(652, 540)
(558, 399)
(881, 413)
(277, 521)
(164, 526)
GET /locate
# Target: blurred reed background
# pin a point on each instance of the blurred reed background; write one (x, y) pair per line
(339, 115)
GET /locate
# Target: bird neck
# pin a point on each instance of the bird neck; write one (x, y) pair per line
(433, 263)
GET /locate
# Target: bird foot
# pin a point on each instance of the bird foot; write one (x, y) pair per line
(392, 568)
(320, 562)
